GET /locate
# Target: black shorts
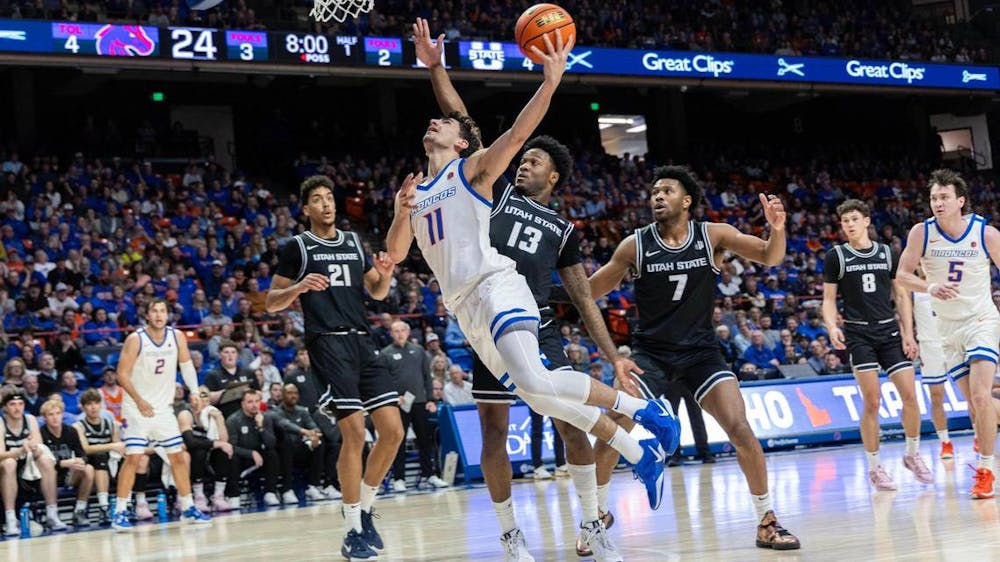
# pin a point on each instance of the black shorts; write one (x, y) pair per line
(876, 346)
(486, 388)
(99, 461)
(698, 369)
(351, 374)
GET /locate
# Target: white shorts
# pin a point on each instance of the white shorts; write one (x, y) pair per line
(501, 303)
(967, 340)
(139, 432)
(933, 367)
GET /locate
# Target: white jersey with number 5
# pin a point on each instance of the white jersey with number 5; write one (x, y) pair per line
(963, 260)
(155, 371)
(451, 223)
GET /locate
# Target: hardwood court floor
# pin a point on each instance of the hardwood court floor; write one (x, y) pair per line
(821, 495)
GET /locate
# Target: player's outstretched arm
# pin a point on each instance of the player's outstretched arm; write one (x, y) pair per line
(430, 52)
(400, 235)
(485, 166)
(767, 252)
(610, 275)
(126, 361)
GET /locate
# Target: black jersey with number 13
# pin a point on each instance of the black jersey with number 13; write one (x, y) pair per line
(675, 290)
(864, 279)
(344, 262)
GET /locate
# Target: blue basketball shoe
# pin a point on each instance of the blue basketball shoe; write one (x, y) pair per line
(649, 470)
(658, 418)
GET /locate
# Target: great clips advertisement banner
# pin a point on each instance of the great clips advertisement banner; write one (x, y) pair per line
(782, 414)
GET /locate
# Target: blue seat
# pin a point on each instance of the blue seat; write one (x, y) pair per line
(112, 359)
(461, 357)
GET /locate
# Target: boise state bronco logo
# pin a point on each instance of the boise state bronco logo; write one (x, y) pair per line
(124, 41)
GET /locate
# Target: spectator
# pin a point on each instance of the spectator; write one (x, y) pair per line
(216, 318)
(439, 369)
(458, 391)
(13, 372)
(68, 357)
(742, 339)
(761, 356)
(771, 336)
(302, 378)
(814, 327)
(274, 392)
(33, 400)
(70, 397)
(832, 365)
(383, 331)
(730, 353)
(112, 394)
(207, 440)
(252, 436)
(99, 438)
(101, 330)
(265, 362)
(728, 286)
(22, 440)
(438, 390)
(454, 338)
(432, 345)
(48, 376)
(70, 459)
(61, 301)
(817, 354)
(226, 377)
(299, 444)
(411, 369)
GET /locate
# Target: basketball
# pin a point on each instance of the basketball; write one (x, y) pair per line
(538, 20)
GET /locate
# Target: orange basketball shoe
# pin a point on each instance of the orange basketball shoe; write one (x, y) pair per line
(947, 450)
(772, 535)
(983, 488)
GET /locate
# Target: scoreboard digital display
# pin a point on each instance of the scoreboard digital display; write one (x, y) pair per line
(105, 40)
(246, 45)
(383, 51)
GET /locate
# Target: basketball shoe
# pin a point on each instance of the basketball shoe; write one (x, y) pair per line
(514, 547)
(195, 516)
(142, 511)
(594, 541)
(658, 418)
(649, 470)
(368, 531)
(355, 549)
(120, 523)
(983, 488)
(947, 450)
(772, 535)
(881, 480)
(915, 464)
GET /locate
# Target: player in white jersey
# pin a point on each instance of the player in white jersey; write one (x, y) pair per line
(955, 251)
(933, 367)
(449, 216)
(147, 369)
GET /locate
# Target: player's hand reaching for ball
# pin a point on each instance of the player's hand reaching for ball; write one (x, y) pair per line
(428, 52)
(837, 338)
(943, 291)
(555, 56)
(313, 282)
(407, 194)
(145, 408)
(774, 211)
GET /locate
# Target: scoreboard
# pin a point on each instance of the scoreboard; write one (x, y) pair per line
(209, 46)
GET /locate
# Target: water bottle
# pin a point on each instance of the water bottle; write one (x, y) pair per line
(25, 522)
(111, 505)
(161, 507)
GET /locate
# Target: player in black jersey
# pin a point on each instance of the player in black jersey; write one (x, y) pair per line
(864, 274)
(328, 270)
(99, 437)
(674, 262)
(539, 240)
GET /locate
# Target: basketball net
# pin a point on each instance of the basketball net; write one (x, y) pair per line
(325, 10)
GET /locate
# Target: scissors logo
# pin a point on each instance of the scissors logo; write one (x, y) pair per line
(785, 68)
(13, 35)
(972, 77)
(581, 58)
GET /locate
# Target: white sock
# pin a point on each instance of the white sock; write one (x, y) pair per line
(602, 497)
(628, 405)
(81, 505)
(121, 504)
(140, 497)
(220, 489)
(585, 480)
(368, 494)
(11, 516)
(912, 445)
(874, 460)
(985, 462)
(186, 502)
(943, 436)
(505, 515)
(198, 488)
(352, 516)
(624, 444)
(761, 504)
(102, 499)
(52, 511)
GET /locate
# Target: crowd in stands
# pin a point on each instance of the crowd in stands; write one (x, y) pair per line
(849, 28)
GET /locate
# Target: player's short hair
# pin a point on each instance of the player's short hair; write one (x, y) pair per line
(853, 205)
(155, 301)
(90, 396)
(945, 176)
(50, 406)
(557, 151)
(685, 176)
(311, 184)
(228, 343)
(468, 130)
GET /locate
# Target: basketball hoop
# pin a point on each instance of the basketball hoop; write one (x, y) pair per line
(325, 10)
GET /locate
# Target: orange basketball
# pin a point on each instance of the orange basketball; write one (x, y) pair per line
(538, 20)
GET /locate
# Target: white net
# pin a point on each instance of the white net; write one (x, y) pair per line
(326, 10)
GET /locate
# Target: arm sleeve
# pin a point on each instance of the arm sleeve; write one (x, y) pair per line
(831, 267)
(570, 253)
(192, 441)
(290, 260)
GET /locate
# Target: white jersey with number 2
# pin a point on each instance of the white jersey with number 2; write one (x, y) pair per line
(963, 260)
(155, 371)
(451, 223)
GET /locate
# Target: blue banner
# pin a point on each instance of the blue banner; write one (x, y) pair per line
(25, 36)
(495, 56)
